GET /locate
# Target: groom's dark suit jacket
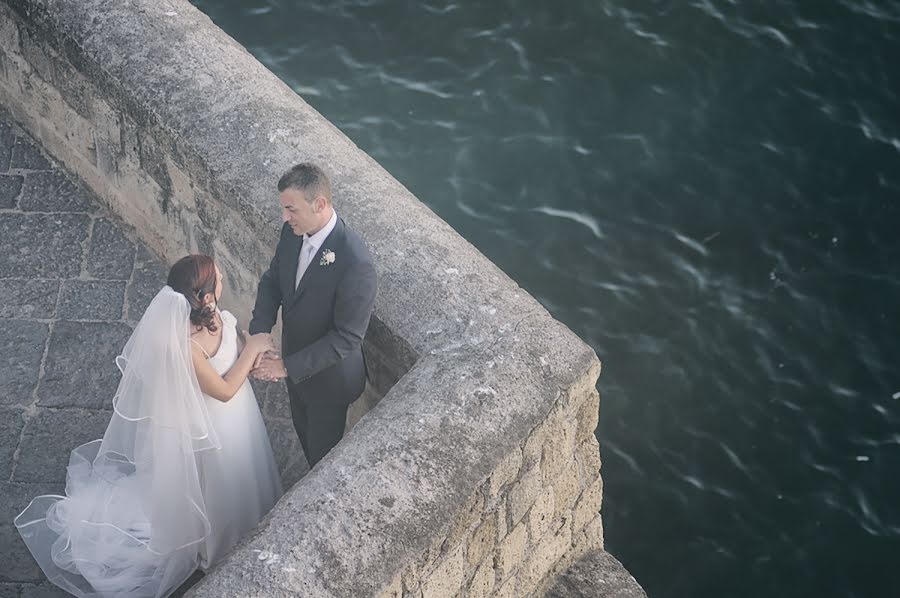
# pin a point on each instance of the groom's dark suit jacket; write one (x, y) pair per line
(325, 318)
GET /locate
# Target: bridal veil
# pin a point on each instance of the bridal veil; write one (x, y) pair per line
(133, 518)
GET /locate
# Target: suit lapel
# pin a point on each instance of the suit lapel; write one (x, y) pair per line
(315, 271)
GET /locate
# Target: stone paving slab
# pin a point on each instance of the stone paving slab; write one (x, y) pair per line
(92, 300)
(11, 423)
(26, 155)
(73, 282)
(73, 377)
(18, 564)
(20, 367)
(148, 276)
(10, 188)
(111, 254)
(49, 437)
(53, 191)
(33, 298)
(43, 245)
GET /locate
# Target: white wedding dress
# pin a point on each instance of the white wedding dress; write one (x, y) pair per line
(240, 481)
(176, 480)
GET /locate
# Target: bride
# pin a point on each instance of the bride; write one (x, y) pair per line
(185, 467)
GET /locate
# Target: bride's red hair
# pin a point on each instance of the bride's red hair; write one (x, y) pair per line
(194, 276)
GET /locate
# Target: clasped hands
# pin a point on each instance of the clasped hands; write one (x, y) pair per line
(269, 366)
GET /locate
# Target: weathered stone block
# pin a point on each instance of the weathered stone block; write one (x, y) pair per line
(77, 131)
(153, 160)
(183, 190)
(106, 138)
(582, 387)
(482, 583)
(588, 417)
(75, 89)
(468, 517)
(21, 360)
(590, 538)
(507, 471)
(544, 433)
(558, 450)
(587, 458)
(92, 300)
(42, 245)
(508, 589)
(447, 578)
(28, 299)
(39, 57)
(77, 378)
(541, 514)
(105, 154)
(483, 540)
(588, 505)
(523, 494)
(567, 487)
(511, 551)
(544, 558)
(502, 517)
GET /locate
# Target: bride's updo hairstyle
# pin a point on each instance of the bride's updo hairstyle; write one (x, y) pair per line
(194, 276)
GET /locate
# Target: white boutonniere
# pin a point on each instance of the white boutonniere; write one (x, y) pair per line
(327, 258)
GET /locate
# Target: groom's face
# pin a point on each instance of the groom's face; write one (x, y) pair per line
(300, 214)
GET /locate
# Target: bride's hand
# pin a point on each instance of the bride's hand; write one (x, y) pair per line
(259, 343)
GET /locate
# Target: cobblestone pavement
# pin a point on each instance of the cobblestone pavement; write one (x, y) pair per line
(73, 283)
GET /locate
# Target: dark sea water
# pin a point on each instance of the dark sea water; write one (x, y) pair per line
(708, 192)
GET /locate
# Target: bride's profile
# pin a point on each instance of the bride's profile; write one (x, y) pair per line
(185, 467)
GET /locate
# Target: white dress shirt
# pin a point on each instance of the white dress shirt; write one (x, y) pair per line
(311, 245)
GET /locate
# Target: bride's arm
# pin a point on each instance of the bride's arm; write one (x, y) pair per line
(225, 387)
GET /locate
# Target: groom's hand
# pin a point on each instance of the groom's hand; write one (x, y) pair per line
(261, 356)
(270, 369)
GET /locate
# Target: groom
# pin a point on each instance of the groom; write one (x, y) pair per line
(323, 279)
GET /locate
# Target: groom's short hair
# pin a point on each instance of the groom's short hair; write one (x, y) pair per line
(308, 178)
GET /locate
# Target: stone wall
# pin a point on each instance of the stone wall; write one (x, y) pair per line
(478, 472)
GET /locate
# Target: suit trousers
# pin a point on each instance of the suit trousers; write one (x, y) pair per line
(319, 424)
